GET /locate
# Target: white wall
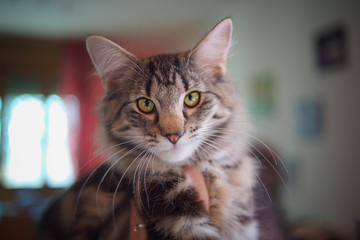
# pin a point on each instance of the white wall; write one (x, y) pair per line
(277, 37)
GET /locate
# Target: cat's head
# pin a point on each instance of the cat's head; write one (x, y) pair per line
(171, 105)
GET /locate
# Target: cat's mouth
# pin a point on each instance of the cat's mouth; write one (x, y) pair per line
(177, 149)
(177, 153)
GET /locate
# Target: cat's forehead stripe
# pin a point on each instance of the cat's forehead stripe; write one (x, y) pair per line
(148, 86)
(165, 69)
(184, 80)
(177, 63)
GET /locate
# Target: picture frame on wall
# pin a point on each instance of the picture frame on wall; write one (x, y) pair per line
(262, 91)
(310, 118)
(331, 47)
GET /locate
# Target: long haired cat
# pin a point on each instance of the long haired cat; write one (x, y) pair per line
(160, 114)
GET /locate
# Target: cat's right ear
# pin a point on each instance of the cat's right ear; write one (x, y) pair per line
(211, 53)
(108, 58)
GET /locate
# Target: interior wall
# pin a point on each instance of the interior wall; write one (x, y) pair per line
(35, 60)
(279, 39)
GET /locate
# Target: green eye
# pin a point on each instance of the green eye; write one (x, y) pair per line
(145, 105)
(192, 99)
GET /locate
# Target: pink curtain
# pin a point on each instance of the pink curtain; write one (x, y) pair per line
(78, 79)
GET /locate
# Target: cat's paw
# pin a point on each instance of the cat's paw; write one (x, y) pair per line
(187, 228)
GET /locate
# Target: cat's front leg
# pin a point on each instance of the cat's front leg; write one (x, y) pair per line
(171, 209)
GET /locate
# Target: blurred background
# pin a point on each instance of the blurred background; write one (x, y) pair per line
(296, 65)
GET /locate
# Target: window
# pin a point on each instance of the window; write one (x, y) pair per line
(35, 142)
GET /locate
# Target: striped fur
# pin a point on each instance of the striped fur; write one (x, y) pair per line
(213, 135)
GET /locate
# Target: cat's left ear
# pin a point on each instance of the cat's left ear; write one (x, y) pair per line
(109, 58)
(211, 53)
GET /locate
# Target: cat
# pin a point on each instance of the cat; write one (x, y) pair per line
(158, 115)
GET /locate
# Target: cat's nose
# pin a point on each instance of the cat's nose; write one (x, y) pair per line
(174, 137)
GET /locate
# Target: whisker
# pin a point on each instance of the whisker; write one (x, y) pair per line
(262, 183)
(255, 156)
(119, 182)
(273, 154)
(148, 160)
(101, 153)
(112, 165)
(271, 151)
(273, 167)
(82, 188)
(86, 181)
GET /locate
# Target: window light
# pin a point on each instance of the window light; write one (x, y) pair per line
(36, 148)
(25, 143)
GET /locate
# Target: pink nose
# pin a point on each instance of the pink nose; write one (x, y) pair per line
(174, 137)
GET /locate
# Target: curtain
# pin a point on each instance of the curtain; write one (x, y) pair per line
(78, 78)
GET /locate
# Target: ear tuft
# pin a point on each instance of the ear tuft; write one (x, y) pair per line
(107, 56)
(212, 51)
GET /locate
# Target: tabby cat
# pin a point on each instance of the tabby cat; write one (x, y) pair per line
(158, 115)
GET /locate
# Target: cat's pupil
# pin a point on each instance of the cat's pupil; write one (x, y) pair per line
(190, 97)
(147, 102)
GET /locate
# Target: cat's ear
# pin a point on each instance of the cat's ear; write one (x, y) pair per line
(211, 53)
(108, 58)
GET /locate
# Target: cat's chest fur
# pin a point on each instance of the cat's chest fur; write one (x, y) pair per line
(231, 201)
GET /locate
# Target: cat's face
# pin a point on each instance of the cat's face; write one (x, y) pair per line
(166, 105)
(169, 108)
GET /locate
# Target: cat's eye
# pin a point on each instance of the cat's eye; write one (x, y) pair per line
(145, 105)
(192, 99)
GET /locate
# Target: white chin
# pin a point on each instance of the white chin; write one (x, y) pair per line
(176, 155)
